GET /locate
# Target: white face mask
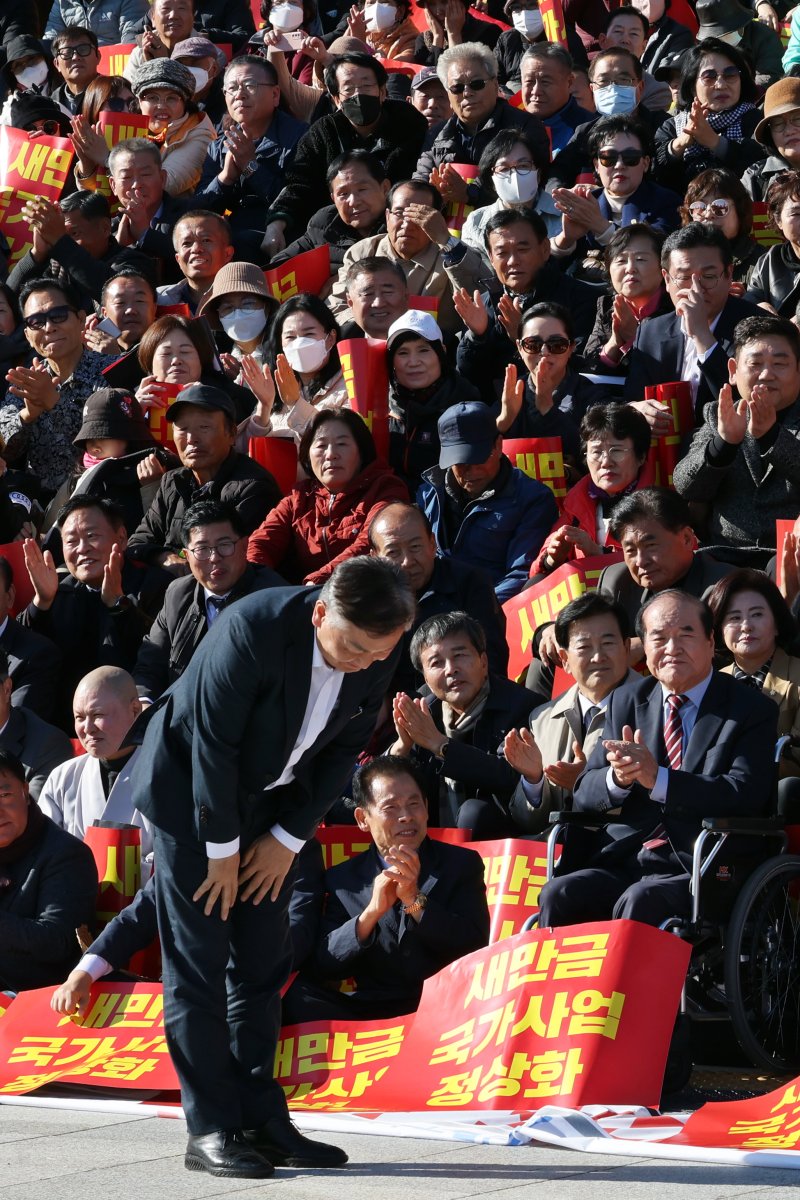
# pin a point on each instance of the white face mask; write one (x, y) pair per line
(201, 78)
(286, 17)
(515, 188)
(33, 76)
(528, 22)
(242, 325)
(381, 16)
(732, 39)
(306, 354)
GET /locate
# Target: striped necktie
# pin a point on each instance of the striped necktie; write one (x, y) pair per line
(673, 731)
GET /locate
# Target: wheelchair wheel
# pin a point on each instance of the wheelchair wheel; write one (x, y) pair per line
(762, 965)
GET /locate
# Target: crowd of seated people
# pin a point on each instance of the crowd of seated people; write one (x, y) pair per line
(525, 241)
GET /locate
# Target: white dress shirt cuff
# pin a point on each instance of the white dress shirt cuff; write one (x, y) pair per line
(286, 839)
(616, 793)
(659, 792)
(701, 358)
(532, 791)
(222, 849)
(95, 966)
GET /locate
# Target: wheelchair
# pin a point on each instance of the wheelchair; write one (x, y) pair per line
(744, 930)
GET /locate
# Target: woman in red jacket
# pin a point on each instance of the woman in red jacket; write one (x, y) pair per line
(615, 439)
(326, 519)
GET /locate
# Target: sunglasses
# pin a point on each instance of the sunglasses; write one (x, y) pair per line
(51, 316)
(471, 85)
(118, 104)
(628, 158)
(553, 345)
(717, 208)
(51, 128)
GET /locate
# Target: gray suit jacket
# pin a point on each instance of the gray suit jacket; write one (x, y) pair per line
(37, 745)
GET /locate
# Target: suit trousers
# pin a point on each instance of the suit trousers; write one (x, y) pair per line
(603, 893)
(222, 982)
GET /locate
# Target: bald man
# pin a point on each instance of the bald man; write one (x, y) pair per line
(96, 786)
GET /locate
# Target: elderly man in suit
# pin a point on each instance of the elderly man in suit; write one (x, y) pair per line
(593, 640)
(394, 915)
(687, 743)
(695, 342)
(33, 660)
(240, 762)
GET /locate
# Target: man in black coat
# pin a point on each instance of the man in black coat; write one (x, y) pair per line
(204, 423)
(49, 888)
(34, 662)
(695, 342)
(38, 745)
(98, 614)
(394, 915)
(240, 762)
(390, 129)
(215, 540)
(402, 533)
(455, 734)
(685, 744)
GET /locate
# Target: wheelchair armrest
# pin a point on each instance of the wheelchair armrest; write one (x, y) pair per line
(759, 826)
(581, 818)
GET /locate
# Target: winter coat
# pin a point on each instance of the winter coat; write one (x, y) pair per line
(113, 21)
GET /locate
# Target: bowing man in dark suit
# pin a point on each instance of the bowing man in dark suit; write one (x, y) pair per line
(38, 745)
(695, 342)
(240, 762)
(394, 915)
(33, 660)
(686, 744)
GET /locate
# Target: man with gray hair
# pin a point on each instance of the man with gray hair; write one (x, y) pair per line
(240, 762)
(548, 73)
(469, 73)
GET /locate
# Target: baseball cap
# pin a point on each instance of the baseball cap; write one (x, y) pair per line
(426, 75)
(202, 395)
(417, 321)
(467, 434)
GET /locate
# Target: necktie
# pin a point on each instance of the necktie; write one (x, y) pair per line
(218, 602)
(589, 716)
(673, 731)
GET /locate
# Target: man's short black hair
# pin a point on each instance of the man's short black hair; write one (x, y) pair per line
(49, 285)
(73, 33)
(636, 66)
(706, 615)
(371, 265)
(447, 624)
(128, 273)
(590, 604)
(662, 505)
(381, 767)
(10, 763)
(91, 205)
(114, 513)
(753, 329)
(694, 236)
(370, 593)
(370, 162)
(627, 10)
(355, 59)
(417, 185)
(254, 60)
(515, 216)
(210, 512)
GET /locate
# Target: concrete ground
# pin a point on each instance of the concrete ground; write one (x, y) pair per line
(48, 1154)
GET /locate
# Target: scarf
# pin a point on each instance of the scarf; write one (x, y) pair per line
(727, 124)
(606, 500)
(453, 792)
(16, 851)
(756, 680)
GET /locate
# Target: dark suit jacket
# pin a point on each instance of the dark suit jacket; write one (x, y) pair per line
(53, 890)
(37, 745)
(34, 664)
(727, 767)
(400, 953)
(181, 625)
(618, 584)
(658, 352)
(226, 728)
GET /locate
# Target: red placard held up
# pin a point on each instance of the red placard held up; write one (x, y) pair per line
(307, 272)
(29, 167)
(367, 381)
(114, 59)
(279, 456)
(555, 27)
(541, 459)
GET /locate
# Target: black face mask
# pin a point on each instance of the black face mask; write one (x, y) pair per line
(362, 110)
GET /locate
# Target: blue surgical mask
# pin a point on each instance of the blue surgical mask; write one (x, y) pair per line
(614, 99)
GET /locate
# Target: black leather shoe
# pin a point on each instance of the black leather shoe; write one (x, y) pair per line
(227, 1155)
(285, 1146)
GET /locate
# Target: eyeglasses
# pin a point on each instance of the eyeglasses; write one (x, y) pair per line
(598, 453)
(51, 128)
(246, 306)
(553, 345)
(118, 104)
(602, 81)
(223, 549)
(82, 51)
(628, 158)
(50, 316)
(248, 86)
(710, 77)
(781, 124)
(717, 208)
(706, 279)
(470, 85)
(521, 168)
